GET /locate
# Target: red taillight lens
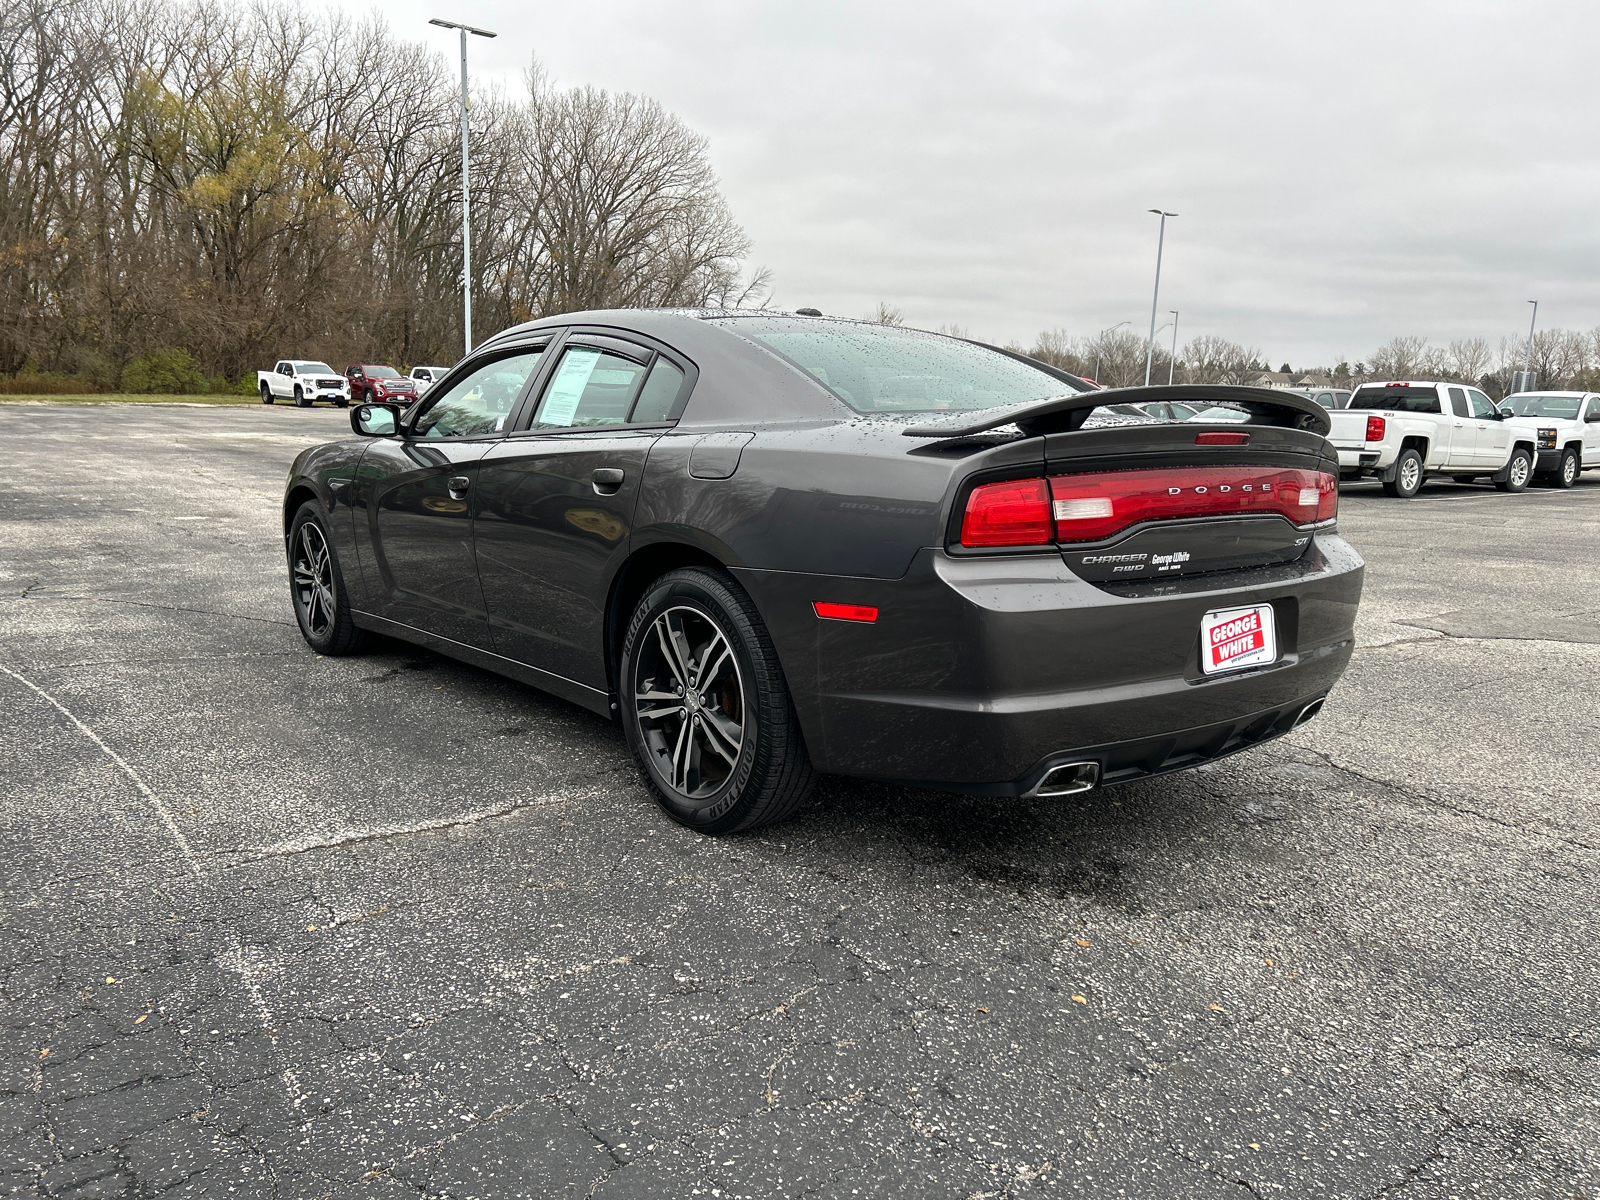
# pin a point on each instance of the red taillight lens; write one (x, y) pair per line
(1222, 439)
(1090, 508)
(1013, 513)
(1375, 428)
(845, 612)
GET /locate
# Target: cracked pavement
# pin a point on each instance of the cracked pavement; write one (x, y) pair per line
(389, 926)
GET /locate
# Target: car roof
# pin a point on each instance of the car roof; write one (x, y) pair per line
(1549, 393)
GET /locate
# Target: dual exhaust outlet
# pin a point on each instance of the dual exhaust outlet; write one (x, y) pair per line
(1068, 779)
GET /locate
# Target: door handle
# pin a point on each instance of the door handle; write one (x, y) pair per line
(458, 484)
(607, 480)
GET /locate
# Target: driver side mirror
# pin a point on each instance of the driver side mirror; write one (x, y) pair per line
(1594, 415)
(375, 420)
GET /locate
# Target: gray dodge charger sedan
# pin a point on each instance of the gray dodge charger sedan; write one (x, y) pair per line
(774, 545)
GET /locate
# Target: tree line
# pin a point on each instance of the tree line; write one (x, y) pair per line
(1561, 359)
(217, 186)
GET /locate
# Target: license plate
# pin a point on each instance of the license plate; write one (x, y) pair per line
(1231, 638)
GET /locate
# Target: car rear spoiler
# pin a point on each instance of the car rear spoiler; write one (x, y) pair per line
(1066, 414)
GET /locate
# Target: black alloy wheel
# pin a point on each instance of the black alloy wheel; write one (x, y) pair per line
(706, 708)
(1408, 475)
(266, 394)
(1567, 473)
(321, 605)
(1519, 472)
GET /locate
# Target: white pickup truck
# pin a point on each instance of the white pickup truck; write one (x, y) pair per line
(1566, 430)
(305, 381)
(1402, 432)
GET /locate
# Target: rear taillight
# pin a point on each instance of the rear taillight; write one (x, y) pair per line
(1013, 513)
(1091, 508)
(1375, 428)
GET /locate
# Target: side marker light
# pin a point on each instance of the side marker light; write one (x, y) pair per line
(845, 612)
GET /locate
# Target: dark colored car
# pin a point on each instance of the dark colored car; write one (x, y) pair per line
(774, 545)
(378, 384)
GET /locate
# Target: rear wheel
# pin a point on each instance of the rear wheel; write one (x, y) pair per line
(1407, 476)
(706, 708)
(1518, 472)
(316, 585)
(1567, 473)
(300, 399)
(266, 394)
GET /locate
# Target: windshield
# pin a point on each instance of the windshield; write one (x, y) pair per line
(1561, 408)
(383, 373)
(310, 368)
(882, 368)
(1397, 399)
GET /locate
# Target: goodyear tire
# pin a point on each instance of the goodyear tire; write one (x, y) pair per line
(706, 709)
(316, 588)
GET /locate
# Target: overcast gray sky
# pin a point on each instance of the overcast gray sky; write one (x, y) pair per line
(1344, 172)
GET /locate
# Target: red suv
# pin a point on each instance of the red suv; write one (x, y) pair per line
(374, 383)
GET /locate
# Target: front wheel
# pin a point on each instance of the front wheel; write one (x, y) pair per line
(316, 585)
(1407, 476)
(1567, 473)
(1518, 472)
(706, 708)
(300, 400)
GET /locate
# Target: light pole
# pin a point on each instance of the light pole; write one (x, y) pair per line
(1099, 344)
(1150, 349)
(466, 180)
(1172, 363)
(1527, 374)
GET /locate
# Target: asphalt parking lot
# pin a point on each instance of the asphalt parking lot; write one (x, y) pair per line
(284, 926)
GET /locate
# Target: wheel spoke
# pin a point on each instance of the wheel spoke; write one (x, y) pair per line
(680, 758)
(669, 650)
(722, 735)
(715, 653)
(661, 712)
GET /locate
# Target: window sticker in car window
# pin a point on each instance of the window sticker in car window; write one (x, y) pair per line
(566, 389)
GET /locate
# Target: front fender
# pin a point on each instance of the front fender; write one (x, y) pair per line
(326, 475)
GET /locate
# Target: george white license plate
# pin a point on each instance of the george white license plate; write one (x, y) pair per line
(1231, 638)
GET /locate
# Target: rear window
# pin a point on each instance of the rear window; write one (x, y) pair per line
(1558, 408)
(882, 368)
(1398, 399)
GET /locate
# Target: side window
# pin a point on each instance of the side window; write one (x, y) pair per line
(1325, 399)
(659, 394)
(589, 388)
(1458, 401)
(479, 403)
(1482, 406)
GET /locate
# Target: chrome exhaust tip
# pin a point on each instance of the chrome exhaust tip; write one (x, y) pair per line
(1306, 713)
(1066, 780)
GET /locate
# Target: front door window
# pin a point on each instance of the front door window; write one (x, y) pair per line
(479, 404)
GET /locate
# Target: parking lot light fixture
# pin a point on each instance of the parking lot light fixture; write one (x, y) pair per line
(1527, 373)
(1155, 299)
(1172, 363)
(466, 179)
(1099, 345)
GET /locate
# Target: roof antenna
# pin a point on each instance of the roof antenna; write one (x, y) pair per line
(807, 312)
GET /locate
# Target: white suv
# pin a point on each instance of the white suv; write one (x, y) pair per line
(1566, 426)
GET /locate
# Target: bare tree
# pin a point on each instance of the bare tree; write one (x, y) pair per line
(886, 314)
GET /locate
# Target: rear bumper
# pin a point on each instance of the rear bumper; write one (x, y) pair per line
(1351, 459)
(981, 673)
